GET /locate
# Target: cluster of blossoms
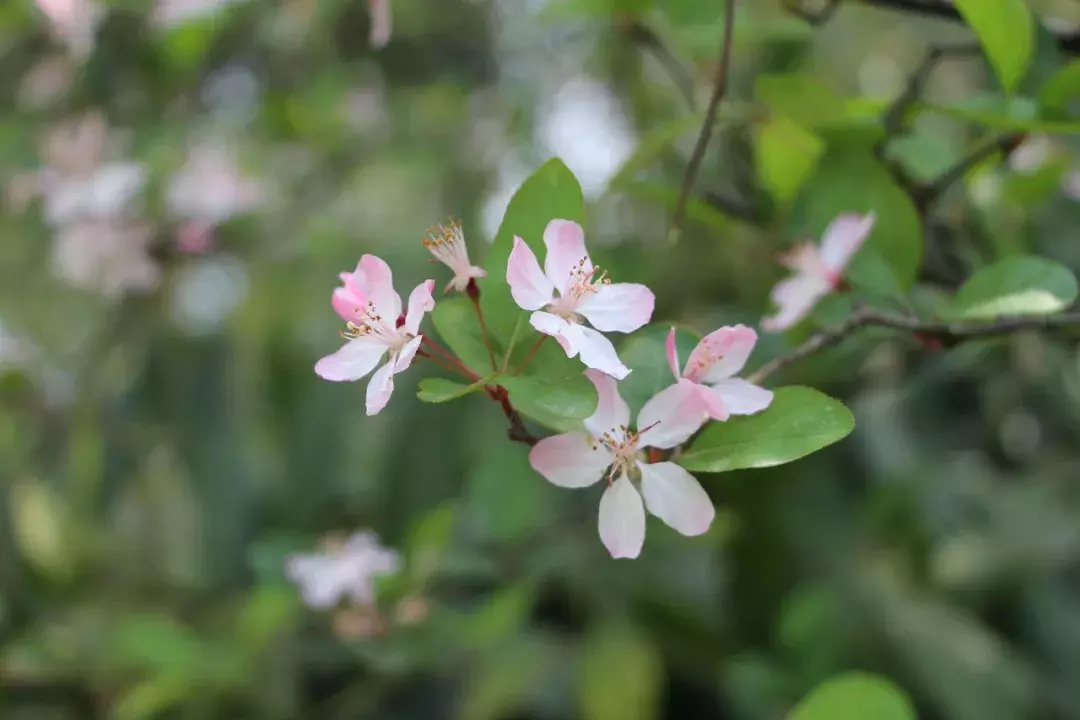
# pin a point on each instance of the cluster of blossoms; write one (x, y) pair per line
(573, 301)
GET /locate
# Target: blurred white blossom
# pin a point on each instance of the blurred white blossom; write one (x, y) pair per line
(209, 189)
(107, 256)
(174, 12)
(74, 22)
(344, 570)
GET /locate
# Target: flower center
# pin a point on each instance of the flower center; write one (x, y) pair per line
(372, 325)
(584, 282)
(623, 444)
(447, 243)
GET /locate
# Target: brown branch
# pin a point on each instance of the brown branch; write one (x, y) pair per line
(926, 195)
(517, 431)
(943, 332)
(645, 37)
(705, 135)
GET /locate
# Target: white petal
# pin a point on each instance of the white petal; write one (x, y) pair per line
(420, 302)
(597, 352)
(611, 410)
(795, 298)
(565, 241)
(354, 360)
(622, 520)
(672, 415)
(722, 353)
(376, 282)
(570, 460)
(672, 352)
(568, 334)
(741, 397)
(843, 238)
(529, 285)
(622, 307)
(380, 388)
(673, 495)
(405, 356)
(381, 23)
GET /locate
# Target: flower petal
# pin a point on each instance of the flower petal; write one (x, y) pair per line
(622, 307)
(671, 416)
(420, 302)
(741, 397)
(722, 353)
(611, 410)
(673, 354)
(565, 241)
(597, 352)
(673, 495)
(795, 298)
(352, 361)
(406, 354)
(529, 285)
(622, 520)
(349, 306)
(843, 238)
(376, 283)
(319, 579)
(380, 388)
(380, 23)
(570, 460)
(567, 333)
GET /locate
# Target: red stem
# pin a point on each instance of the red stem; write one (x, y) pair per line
(484, 330)
(448, 357)
(529, 357)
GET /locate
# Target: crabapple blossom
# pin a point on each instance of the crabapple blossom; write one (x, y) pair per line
(447, 244)
(74, 22)
(707, 387)
(609, 449)
(570, 288)
(372, 313)
(345, 570)
(817, 271)
(380, 23)
(108, 256)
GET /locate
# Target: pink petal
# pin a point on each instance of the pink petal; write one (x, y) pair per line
(347, 304)
(622, 520)
(713, 403)
(721, 354)
(795, 298)
(352, 361)
(672, 415)
(843, 238)
(611, 409)
(565, 241)
(597, 352)
(380, 23)
(420, 302)
(380, 388)
(622, 307)
(568, 334)
(570, 460)
(673, 354)
(741, 397)
(405, 356)
(375, 282)
(530, 287)
(673, 495)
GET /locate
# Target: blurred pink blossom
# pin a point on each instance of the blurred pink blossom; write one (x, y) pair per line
(106, 256)
(74, 22)
(344, 570)
(381, 25)
(817, 271)
(570, 288)
(610, 449)
(174, 12)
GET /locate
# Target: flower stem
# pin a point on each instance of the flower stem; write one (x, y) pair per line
(513, 343)
(449, 359)
(529, 357)
(439, 361)
(483, 329)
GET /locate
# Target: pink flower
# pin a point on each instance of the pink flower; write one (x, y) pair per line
(380, 23)
(609, 449)
(706, 387)
(344, 570)
(447, 244)
(371, 310)
(74, 22)
(817, 272)
(570, 288)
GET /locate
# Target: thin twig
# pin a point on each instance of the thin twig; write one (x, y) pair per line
(517, 431)
(928, 194)
(645, 37)
(528, 358)
(820, 17)
(944, 332)
(484, 331)
(710, 118)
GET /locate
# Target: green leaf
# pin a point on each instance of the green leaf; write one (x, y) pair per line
(149, 699)
(1062, 87)
(506, 499)
(850, 179)
(803, 98)
(645, 353)
(551, 193)
(440, 390)
(558, 402)
(855, 696)
(786, 154)
(1006, 31)
(620, 675)
(799, 421)
(428, 541)
(1016, 286)
(40, 521)
(459, 328)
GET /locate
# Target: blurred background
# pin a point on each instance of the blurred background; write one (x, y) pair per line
(184, 180)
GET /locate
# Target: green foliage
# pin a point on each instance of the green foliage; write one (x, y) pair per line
(855, 696)
(645, 354)
(1062, 87)
(1016, 286)
(786, 155)
(620, 675)
(554, 399)
(440, 390)
(799, 421)
(1006, 31)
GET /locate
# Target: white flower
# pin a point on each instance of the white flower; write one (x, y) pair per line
(447, 244)
(209, 188)
(346, 571)
(106, 256)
